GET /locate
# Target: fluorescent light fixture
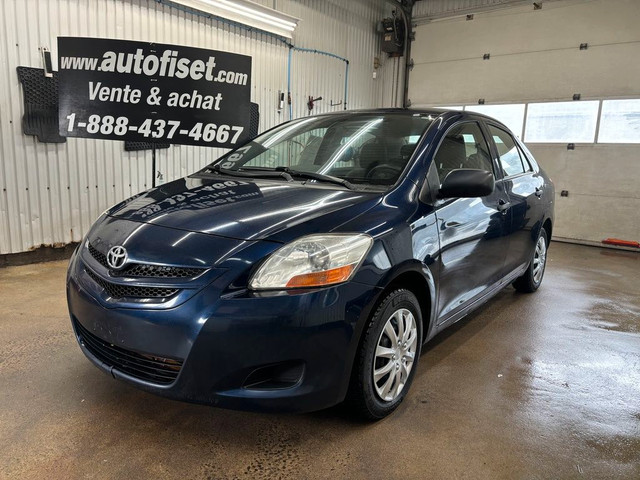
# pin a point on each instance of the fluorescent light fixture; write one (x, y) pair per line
(247, 13)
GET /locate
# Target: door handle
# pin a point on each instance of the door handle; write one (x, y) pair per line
(538, 192)
(503, 206)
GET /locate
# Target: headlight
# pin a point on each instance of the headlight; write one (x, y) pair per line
(312, 261)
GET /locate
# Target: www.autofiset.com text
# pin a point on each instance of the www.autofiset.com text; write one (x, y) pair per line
(168, 64)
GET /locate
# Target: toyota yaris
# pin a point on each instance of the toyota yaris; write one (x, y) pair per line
(310, 265)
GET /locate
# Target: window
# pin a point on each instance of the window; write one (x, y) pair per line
(511, 115)
(464, 146)
(509, 153)
(370, 149)
(299, 149)
(561, 122)
(527, 156)
(620, 121)
(525, 160)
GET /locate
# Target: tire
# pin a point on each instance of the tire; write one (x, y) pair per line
(372, 399)
(531, 280)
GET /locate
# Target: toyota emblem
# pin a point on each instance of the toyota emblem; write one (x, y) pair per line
(117, 257)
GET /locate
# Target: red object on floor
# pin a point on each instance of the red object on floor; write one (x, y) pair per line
(622, 243)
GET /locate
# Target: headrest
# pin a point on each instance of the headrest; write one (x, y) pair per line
(407, 150)
(309, 152)
(454, 148)
(370, 153)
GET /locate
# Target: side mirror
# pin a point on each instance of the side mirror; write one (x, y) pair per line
(467, 183)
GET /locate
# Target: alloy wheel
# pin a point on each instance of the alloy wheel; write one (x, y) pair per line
(539, 259)
(395, 354)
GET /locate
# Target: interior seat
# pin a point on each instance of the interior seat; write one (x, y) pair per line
(406, 150)
(451, 155)
(310, 150)
(371, 153)
(480, 160)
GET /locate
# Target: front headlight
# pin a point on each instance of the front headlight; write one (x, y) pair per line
(312, 261)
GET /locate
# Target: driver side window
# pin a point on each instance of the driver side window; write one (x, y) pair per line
(464, 146)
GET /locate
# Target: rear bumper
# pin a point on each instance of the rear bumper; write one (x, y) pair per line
(222, 341)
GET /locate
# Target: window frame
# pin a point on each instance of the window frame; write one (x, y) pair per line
(601, 115)
(547, 141)
(446, 133)
(470, 109)
(522, 140)
(496, 152)
(529, 156)
(525, 160)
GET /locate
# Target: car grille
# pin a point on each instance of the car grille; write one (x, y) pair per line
(116, 290)
(145, 270)
(156, 271)
(99, 256)
(159, 370)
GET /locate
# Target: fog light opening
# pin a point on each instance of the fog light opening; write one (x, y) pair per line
(275, 377)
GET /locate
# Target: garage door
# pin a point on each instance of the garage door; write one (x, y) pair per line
(564, 78)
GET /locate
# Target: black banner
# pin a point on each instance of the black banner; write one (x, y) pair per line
(151, 92)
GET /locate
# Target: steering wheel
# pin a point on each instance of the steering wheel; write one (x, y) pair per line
(384, 172)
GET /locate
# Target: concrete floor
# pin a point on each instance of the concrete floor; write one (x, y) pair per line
(531, 386)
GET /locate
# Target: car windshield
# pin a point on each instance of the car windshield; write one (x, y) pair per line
(355, 149)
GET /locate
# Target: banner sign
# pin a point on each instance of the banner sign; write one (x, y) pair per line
(147, 92)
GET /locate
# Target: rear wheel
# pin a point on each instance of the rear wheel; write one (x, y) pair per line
(532, 278)
(388, 356)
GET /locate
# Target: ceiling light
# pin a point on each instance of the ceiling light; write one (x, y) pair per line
(247, 13)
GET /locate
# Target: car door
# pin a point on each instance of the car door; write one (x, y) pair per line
(472, 231)
(523, 185)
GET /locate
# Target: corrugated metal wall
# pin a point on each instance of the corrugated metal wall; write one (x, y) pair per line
(51, 193)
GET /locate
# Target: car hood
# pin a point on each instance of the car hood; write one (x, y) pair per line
(246, 209)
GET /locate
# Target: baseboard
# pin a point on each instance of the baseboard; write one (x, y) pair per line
(38, 255)
(590, 243)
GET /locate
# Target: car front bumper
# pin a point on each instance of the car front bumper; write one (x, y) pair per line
(222, 341)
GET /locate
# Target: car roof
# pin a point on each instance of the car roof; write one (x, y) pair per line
(438, 112)
(408, 111)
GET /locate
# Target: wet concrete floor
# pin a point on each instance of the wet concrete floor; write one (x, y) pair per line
(530, 386)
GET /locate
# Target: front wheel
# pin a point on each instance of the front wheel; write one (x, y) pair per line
(388, 356)
(532, 278)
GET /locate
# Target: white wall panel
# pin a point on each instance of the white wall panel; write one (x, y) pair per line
(535, 57)
(444, 8)
(535, 76)
(51, 193)
(603, 199)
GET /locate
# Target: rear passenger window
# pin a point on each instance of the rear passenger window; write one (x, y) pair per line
(464, 146)
(528, 156)
(509, 153)
(525, 161)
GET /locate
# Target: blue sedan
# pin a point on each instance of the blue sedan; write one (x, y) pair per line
(310, 265)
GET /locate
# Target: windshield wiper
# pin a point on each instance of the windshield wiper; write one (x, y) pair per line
(284, 172)
(317, 176)
(262, 173)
